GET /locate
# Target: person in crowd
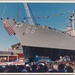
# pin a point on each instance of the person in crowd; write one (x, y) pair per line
(34, 67)
(53, 67)
(61, 68)
(44, 67)
(28, 68)
(68, 67)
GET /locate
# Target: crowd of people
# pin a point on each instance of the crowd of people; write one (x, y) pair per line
(43, 67)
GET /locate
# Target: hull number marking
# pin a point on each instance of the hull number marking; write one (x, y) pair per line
(30, 30)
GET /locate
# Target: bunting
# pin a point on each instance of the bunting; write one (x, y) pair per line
(8, 28)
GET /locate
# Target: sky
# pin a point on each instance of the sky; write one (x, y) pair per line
(17, 11)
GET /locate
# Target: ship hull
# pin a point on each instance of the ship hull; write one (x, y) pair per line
(38, 40)
(37, 36)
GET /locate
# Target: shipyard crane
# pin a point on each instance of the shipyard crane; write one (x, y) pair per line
(28, 13)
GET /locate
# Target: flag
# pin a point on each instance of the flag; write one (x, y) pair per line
(8, 27)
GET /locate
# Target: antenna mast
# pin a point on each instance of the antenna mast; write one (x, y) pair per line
(72, 20)
(28, 13)
(71, 29)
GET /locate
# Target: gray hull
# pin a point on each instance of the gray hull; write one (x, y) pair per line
(37, 40)
(37, 36)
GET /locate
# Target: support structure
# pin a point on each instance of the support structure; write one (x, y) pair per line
(28, 14)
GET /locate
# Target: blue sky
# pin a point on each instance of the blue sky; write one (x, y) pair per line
(38, 9)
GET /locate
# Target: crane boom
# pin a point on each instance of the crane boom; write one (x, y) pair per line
(28, 13)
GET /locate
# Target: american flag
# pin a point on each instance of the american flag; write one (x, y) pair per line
(8, 27)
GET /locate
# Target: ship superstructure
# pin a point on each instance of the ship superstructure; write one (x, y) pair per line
(70, 28)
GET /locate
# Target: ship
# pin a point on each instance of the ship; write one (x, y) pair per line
(42, 40)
